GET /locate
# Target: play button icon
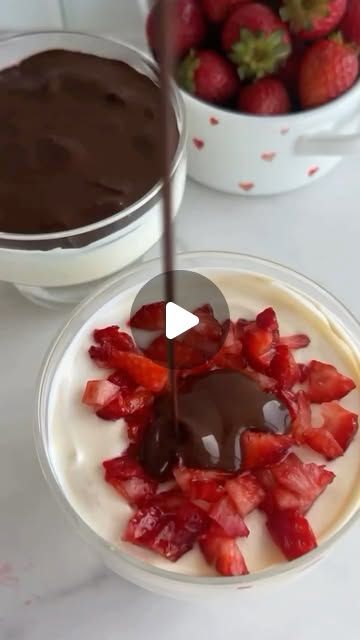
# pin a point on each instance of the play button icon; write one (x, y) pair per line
(178, 320)
(196, 321)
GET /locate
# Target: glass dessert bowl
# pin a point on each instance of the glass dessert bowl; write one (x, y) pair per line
(62, 266)
(73, 440)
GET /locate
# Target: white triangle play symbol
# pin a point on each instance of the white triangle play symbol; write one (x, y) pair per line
(178, 320)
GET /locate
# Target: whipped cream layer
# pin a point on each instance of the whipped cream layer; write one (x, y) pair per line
(79, 441)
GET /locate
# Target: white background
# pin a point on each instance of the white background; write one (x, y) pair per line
(51, 585)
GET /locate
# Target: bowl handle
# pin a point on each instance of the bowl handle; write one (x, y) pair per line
(328, 145)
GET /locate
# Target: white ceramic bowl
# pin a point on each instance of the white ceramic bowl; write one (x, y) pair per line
(118, 558)
(253, 155)
(58, 267)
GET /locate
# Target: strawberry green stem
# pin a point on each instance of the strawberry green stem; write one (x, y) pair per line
(186, 72)
(257, 55)
(301, 14)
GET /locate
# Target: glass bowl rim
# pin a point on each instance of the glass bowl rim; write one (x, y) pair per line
(180, 113)
(54, 356)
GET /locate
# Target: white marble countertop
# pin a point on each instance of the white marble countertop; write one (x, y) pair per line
(51, 584)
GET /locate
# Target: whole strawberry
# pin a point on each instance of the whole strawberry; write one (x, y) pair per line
(328, 69)
(209, 76)
(266, 97)
(189, 28)
(255, 40)
(350, 25)
(314, 19)
(289, 71)
(218, 10)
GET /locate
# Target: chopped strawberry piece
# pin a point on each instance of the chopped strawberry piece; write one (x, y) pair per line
(322, 441)
(340, 422)
(305, 482)
(142, 370)
(167, 524)
(125, 403)
(260, 341)
(334, 436)
(122, 380)
(199, 484)
(292, 533)
(267, 320)
(185, 356)
(284, 368)
(259, 348)
(242, 325)
(99, 393)
(151, 317)
(326, 383)
(246, 492)
(129, 479)
(226, 515)
(116, 338)
(137, 423)
(208, 325)
(302, 421)
(298, 341)
(260, 449)
(104, 354)
(223, 552)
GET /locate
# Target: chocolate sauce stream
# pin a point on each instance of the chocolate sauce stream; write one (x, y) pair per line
(166, 149)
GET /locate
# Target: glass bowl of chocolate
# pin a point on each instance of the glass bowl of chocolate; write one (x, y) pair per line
(259, 475)
(80, 161)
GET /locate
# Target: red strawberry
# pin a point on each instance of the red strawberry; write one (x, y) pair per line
(226, 515)
(299, 341)
(200, 484)
(259, 341)
(334, 436)
(223, 553)
(167, 524)
(114, 337)
(325, 383)
(302, 421)
(150, 317)
(328, 69)
(137, 423)
(283, 367)
(188, 29)
(99, 393)
(125, 403)
(292, 533)
(209, 76)
(350, 25)
(142, 370)
(129, 479)
(260, 449)
(218, 10)
(256, 40)
(288, 73)
(315, 19)
(246, 493)
(266, 97)
(291, 484)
